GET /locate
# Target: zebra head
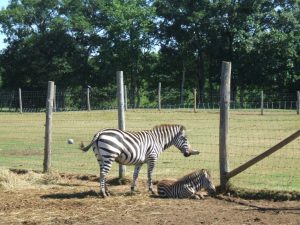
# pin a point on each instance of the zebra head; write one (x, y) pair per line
(207, 182)
(181, 142)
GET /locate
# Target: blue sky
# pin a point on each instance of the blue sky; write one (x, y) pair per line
(3, 3)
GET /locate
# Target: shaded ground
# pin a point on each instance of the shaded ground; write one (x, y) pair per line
(75, 201)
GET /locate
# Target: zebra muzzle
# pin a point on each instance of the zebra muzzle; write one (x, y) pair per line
(187, 154)
(194, 152)
(191, 152)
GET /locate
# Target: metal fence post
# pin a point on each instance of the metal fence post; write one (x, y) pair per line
(48, 127)
(20, 100)
(121, 113)
(224, 122)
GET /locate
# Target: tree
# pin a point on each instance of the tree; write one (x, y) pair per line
(127, 41)
(43, 45)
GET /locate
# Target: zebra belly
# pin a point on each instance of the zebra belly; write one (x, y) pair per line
(125, 159)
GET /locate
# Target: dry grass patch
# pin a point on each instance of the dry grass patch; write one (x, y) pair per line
(19, 180)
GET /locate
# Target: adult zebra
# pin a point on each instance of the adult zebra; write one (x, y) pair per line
(187, 186)
(136, 148)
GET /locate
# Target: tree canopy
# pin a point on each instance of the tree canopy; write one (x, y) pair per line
(179, 43)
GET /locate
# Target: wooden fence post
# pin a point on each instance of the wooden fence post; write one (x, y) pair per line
(224, 123)
(48, 127)
(159, 96)
(121, 113)
(20, 100)
(262, 103)
(54, 99)
(125, 97)
(195, 99)
(298, 102)
(88, 98)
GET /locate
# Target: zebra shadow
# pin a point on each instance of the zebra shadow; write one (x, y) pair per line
(78, 195)
(92, 193)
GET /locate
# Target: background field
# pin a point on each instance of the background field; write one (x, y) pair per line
(22, 143)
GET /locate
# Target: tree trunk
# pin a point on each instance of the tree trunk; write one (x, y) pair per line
(182, 85)
(138, 102)
(201, 77)
(242, 97)
(132, 95)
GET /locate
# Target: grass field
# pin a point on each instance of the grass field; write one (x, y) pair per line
(22, 143)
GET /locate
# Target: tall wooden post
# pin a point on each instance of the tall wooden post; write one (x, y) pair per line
(298, 102)
(20, 101)
(262, 103)
(54, 99)
(125, 97)
(224, 122)
(121, 113)
(48, 127)
(159, 96)
(88, 99)
(195, 99)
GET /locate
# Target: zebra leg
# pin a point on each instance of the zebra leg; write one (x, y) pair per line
(197, 197)
(104, 169)
(151, 165)
(137, 169)
(102, 179)
(103, 188)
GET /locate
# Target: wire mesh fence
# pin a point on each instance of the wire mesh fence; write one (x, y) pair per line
(22, 143)
(105, 99)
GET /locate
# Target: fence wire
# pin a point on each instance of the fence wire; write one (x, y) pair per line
(105, 99)
(22, 143)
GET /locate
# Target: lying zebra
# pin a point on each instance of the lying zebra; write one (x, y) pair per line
(187, 186)
(136, 148)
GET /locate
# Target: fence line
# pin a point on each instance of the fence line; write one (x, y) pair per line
(250, 133)
(163, 98)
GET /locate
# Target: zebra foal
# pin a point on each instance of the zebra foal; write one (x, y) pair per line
(187, 186)
(136, 148)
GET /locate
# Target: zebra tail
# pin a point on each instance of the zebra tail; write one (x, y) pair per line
(86, 148)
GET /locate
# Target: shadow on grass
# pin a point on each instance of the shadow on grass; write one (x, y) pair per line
(79, 195)
(294, 210)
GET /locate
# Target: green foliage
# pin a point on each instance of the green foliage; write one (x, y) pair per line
(178, 43)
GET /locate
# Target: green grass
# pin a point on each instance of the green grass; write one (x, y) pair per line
(22, 143)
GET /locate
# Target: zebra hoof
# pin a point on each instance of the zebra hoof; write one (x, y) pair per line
(196, 197)
(103, 194)
(151, 192)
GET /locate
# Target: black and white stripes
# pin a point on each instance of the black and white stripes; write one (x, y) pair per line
(187, 186)
(136, 148)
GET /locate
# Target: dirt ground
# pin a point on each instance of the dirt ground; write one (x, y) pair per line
(76, 202)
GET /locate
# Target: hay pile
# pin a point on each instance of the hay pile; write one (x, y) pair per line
(12, 181)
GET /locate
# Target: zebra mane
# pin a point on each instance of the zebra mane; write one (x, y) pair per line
(194, 175)
(163, 126)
